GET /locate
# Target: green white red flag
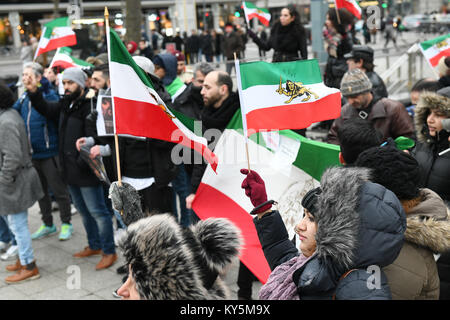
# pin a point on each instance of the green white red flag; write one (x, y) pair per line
(436, 48)
(284, 95)
(63, 59)
(350, 5)
(221, 195)
(138, 109)
(251, 11)
(56, 33)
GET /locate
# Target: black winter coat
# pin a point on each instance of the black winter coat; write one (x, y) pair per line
(378, 86)
(214, 119)
(336, 67)
(286, 41)
(72, 125)
(360, 224)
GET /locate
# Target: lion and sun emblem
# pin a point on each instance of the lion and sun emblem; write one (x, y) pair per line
(294, 90)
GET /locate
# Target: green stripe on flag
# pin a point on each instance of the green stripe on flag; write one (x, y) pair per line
(429, 43)
(264, 73)
(120, 54)
(314, 157)
(58, 22)
(252, 6)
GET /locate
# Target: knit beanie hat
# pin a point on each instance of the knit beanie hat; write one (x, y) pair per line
(444, 65)
(179, 55)
(355, 82)
(145, 63)
(309, 201)
(76, 75)
(392, 168)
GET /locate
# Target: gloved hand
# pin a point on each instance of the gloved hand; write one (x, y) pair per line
(255, 189)
(92, 116)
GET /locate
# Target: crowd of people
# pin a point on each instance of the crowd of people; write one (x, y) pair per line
(386, 207)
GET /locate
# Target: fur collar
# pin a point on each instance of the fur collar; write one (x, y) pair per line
(427, 101)
(428, 223)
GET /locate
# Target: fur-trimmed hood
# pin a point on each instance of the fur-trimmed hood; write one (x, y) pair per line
(428, 101)
(171, 263)
(359, 223)
(428, 223)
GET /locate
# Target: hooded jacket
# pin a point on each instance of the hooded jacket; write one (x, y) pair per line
(360, 224)
(171, 263)
(434, 169)
(428, 232)
(42, 132)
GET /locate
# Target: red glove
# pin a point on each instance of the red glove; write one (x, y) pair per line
(255, 189)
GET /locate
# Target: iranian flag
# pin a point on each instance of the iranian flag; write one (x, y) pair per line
(287, 181)
(56, 33)
(436, 48)
(63, 59)
(251, 11)
(284, 95)
(350, 5)
(138, 109)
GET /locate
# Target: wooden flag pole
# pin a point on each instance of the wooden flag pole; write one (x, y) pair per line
(238, 79)
(116, 137)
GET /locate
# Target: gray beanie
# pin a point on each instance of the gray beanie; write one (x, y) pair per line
(355, 82)
(76, 75)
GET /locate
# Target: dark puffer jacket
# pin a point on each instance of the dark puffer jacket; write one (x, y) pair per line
(286, 41)
(360, 224)
(42, 132)
(72, 125)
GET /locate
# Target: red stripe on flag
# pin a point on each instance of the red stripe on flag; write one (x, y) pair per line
(211, 203)
(63, 64)
(296, 116)
(435, 60)
(53, 44)
(263, 20)
(144, 119)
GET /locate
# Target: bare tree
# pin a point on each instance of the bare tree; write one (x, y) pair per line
(133, 20)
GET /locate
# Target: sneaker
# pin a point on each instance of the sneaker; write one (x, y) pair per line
(3, 245)
(43, 231)
(66, 231)
(10, 254)
(73, 210)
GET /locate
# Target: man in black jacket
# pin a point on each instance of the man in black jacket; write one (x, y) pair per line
(361, 57)
(84, 187)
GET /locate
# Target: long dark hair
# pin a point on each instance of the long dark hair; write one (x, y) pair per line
(294, 13)
(345, 16)
(6, 96)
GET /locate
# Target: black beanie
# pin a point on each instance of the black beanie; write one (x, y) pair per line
(392, 168)
(6, 97)
(310, 199)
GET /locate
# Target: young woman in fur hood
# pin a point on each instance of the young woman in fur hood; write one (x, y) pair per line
(431, 111)
(168, 262)
(414, 274)
(353, 229)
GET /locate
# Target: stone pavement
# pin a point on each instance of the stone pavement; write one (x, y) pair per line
(59, 269)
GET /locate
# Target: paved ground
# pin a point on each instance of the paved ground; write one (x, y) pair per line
(58, 269)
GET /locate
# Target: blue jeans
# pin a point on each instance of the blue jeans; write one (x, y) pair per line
(182, 186)
(5, 233)
(18, 223)
(97, 220)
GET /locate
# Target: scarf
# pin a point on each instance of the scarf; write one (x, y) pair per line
(280, 285)
(220, 117)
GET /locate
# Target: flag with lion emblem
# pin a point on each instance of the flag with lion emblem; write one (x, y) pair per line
(284, 95)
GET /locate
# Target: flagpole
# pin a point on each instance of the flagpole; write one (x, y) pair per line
(116, 137)
(337, 12)
(244, 120)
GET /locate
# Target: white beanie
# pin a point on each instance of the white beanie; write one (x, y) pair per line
(76, 75)
(145, 63)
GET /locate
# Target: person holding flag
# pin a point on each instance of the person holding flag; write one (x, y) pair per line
(84, 187)
(287, 37)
